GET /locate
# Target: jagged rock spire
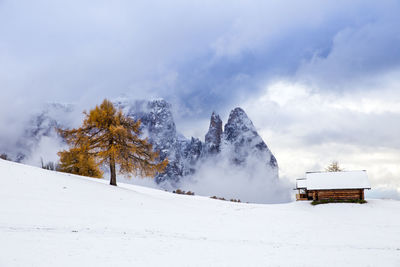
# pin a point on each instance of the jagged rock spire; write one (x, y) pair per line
(238, 123)
(214, 135)
(240, 132)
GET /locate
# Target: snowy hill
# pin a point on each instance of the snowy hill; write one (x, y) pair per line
(55, 219)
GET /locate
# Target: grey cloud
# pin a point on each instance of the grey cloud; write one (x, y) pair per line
(369, 50)
(216, 52)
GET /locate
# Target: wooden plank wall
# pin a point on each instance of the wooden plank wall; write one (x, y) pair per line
(340, 194)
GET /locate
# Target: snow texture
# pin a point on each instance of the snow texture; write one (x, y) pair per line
(337, 180)
(301, 183)
(55, 219)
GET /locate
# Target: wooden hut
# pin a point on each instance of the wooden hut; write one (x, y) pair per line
(343, 185)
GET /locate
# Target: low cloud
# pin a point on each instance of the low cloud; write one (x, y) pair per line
(45, 151)
(253, 181)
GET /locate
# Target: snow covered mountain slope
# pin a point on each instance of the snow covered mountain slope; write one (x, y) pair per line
(55, 219)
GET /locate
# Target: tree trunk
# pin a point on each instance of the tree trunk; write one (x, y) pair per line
(113, 178)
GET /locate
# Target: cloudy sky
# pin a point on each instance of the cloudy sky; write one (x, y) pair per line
(321, 82)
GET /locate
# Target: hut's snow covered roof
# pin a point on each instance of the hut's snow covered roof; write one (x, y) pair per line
(337, 180)
(301, 183)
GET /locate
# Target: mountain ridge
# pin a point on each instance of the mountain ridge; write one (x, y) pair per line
(237, 139)
(239, 136)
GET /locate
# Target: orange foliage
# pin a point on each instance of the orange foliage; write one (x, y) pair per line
(112, 138)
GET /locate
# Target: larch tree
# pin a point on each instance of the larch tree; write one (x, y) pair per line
(333, 167)
(78, 160)
(109, 137)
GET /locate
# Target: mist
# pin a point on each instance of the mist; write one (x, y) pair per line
(253, 181)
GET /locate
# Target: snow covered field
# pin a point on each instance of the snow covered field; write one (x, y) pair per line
(55, 219)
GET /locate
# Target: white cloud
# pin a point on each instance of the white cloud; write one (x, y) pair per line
(307, 128)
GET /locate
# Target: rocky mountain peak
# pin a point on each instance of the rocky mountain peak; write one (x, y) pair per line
(214, 135)
(238, 124)
(240, 133)
(159, 105)
(160, 119)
